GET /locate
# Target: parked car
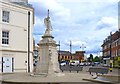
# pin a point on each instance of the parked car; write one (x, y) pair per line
(74, 63)
(63, 63)
(96, 63)
(88, 64)
(82, 64)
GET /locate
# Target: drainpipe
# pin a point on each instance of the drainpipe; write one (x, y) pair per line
(28, 41)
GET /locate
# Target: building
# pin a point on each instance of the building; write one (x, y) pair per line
(16, 39)
(64, 55)
(67, 56)
(115, 49)
(79, 55)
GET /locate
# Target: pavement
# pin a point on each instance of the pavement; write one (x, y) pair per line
(110, 78)
(81, 76)
(25, 77)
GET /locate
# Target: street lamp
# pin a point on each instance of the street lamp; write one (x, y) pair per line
(82, 47)
(35, 53)
(71, 50)
(111, 61)
(59, 52)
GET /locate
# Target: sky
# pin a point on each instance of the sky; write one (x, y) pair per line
(83, 22)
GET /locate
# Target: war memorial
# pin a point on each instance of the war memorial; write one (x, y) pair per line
(48, 56)
(48, 70)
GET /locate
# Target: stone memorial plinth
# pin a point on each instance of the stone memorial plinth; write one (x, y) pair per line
(47, 64)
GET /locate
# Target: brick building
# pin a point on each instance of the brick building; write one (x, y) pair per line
(64, 55)
(115, 49)
(67, 56)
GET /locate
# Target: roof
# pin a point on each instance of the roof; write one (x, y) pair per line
(80, 51)
(23, 4)
(64, 52)
(115, 36)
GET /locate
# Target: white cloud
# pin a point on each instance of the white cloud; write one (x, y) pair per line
(75, 42)
(78, 1)
(38, 21)
(79, 21)
(109, 23)
(59, 10)
(108, 20)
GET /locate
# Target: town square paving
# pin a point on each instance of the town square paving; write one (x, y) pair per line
(25, 77)
(72, 77)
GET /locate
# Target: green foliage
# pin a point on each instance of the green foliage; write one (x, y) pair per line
(90, 59)
(96, 59)
(100, 57)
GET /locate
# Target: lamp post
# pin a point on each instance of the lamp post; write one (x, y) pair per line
(71, 51)
(111, 60)
(82, 47)
(35, 53)
(59, 52)
(70, 48)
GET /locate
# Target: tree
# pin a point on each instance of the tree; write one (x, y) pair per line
(100, 57)
(91, 58)
(96, 59)
(88, 59)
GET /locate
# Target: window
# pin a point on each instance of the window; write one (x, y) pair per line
(119, 52)
(5, 16)
(105, 47)
(5, 37)
(119, 41)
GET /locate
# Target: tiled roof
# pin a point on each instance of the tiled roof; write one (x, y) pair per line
(64, 52)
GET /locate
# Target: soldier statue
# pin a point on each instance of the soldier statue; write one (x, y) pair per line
(47, 24)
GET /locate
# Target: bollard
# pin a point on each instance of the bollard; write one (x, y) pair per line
(111, 65)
